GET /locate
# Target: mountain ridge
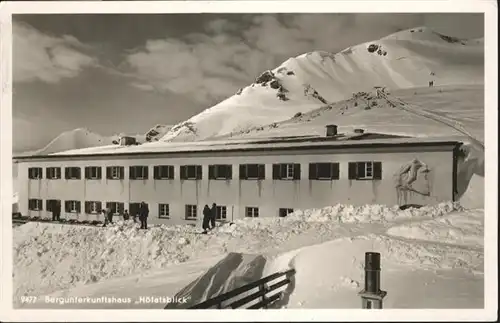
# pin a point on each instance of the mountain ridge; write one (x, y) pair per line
(406, 59)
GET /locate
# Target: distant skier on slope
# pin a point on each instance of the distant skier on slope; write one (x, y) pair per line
(207, 214)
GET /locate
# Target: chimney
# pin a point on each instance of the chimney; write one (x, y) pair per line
(358, 130)
(331, 130)
(127, 141)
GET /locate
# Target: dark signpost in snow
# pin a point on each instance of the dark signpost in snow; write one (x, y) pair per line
(371, 295)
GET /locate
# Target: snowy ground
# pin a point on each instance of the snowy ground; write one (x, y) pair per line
(434, 251)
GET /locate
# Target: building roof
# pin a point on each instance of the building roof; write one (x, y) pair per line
(341, 141)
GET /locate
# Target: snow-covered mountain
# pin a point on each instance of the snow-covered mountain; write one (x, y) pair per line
(85, 138)
(72, 139)
(406, 59)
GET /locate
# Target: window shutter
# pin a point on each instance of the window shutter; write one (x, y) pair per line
(30, 173)
(243, 173)
(87, 172)
(30, 204)
(66, 206)
(47, 205)
(352, 170)
(156, 172)
(146, 172)
(41, 172)
(47, 174)
(276, 171)
(58, 172)
(183, 172)
(171, 172)
(78, 206)
(211, 172)
(99, 206)
(335, 171)
(313, 171)
(262, 171)
(78, 172)
(66, 172)
(199, 173)
(296, 171)
(120, 208)
(361, 171)
(99, 172)
(229, 172)
(131, 174)
(122, 172)
(377, 170)
(87, 207)
(283, 171)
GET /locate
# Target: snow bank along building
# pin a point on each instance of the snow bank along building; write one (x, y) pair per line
(245, 178)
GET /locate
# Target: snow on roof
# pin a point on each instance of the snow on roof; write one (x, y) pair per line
(340, 141)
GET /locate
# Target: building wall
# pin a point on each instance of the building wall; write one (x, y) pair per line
(269, 195)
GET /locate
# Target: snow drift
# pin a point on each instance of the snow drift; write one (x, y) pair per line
(407, 59)
(330, 274)
(50, 257)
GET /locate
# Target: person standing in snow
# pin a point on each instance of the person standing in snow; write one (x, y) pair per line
(213, 215)
(206, 218)
(126, 216)
(105, 215)
(56, 211)
(143, 215)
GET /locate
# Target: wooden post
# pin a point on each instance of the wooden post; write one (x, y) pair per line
(372, 296)
(263, 288)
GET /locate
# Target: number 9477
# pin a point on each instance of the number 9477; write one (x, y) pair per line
(29, 299)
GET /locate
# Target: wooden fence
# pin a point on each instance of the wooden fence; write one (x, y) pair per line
(220, 302)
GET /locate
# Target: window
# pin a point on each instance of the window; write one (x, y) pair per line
(252, 171)
(251, 212)
(72, 206)
(53, 172)
(324, 171)
(163, 172)
(51, 204)
(191, 172)
(35, 204)
(115, 172)
(93, 207)
(191, 212)
(35, 173)
(93, 172)
(220, 172)
(116, 207)
(365, 170)
(220, 212)
(138, 172)
(284, 212)
(286, 171)
(72, 173)
(163, 211)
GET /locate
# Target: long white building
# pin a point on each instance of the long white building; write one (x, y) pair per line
(259, 178)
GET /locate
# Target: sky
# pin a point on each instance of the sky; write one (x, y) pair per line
(128, 72)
